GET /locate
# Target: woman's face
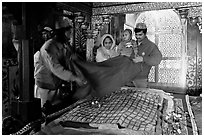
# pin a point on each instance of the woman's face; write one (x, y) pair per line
(126, 35)
(107, 43)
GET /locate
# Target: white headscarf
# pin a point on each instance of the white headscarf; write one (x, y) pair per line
(110, 36)
(102, 52)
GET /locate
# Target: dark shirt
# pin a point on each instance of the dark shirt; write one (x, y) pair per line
(151, 57)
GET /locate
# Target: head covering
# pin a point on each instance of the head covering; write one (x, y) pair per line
(110, 36)
(141, 26)
(130, 32)
(47, 29)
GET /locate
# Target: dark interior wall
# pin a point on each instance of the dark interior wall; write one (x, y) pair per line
(194, 41)
(10, 12)
(8, 50)
(37, 15)
(84, 7)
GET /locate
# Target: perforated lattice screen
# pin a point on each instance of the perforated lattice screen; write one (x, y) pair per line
(151, 77)
(165, 29)
(170, 45)
(169, 71)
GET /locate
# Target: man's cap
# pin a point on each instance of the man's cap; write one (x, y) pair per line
(47, 29)
(141, 26)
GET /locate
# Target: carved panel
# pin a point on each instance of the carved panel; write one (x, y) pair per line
(104, 4)
(195, 8)
(194, 76)
(169, 71)
(170, 45)
(10, 84)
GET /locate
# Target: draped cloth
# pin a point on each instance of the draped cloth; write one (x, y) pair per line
(104, 77)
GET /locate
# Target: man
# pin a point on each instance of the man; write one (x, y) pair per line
(47, 33)
(148, 54)
(50, 66)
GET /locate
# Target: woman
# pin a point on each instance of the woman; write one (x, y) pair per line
(107, 49)
(51, 66)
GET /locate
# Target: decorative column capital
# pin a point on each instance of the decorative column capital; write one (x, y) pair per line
(183, 12)
(193, 21)
(89, 34)
(196, 21)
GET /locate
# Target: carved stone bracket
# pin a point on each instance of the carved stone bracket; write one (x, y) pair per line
(183, 13)
(195, 11)
(194, 14)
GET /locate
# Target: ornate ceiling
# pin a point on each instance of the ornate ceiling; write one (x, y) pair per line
(101, 8)
(108, 4)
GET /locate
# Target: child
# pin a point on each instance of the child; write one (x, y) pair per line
(127, 46)
(107, 49)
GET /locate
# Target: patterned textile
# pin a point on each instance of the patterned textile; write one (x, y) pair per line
(173, 126)
(178, 106)
(133, 109)
(129, 111)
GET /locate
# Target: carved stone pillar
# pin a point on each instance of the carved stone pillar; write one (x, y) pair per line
(196, 21)
(183, 15)
(26, 108)
(195, 56)
(199, 23)
(89, 45)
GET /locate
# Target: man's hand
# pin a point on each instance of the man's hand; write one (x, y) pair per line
(135, 50)
(80, 81)
(138, 59)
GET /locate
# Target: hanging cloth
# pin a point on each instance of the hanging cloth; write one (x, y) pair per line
(105, 77)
